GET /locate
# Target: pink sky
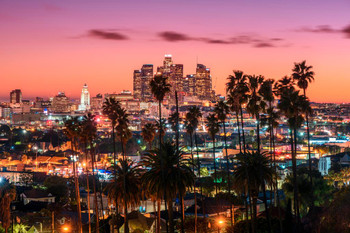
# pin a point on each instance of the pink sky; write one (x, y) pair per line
(50, 46)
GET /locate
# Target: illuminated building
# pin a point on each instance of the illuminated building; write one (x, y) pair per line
(137, 84)
(203, 85)
(142, 79)
(84, 99)
(96, 102)
(61, 103)
(188, 84)
(16, 96)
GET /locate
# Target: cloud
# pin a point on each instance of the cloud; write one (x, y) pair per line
(255, 41)
(264, 45)
(107, 34)
(318, 29)
(346, 31)
(174, 36)
(326, 29)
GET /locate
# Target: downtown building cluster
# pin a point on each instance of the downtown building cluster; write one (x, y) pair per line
(196, 86)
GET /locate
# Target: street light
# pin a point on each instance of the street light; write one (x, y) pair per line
(221, 223)
(66, 228)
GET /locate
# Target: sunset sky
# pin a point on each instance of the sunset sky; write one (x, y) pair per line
(54, 45)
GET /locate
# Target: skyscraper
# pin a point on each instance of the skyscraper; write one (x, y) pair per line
(188, 84)
(141, 81)
(203, 85)
(137, 84)
(146, 78)
(16, 96)
(84, 99)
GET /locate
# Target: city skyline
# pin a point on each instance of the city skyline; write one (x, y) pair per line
(41, 57)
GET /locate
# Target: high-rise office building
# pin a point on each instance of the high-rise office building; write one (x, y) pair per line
(61, 103)
(96, 102)
(189, 84)
(203, 85)
(137, 84)
(16, 96)
(142, 79)
(84, 99)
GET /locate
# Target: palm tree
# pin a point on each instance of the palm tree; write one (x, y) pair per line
(125, 135)
(111, 109)
(7, 195)
(126, 190)
(173, 120)
(72, 131)
(192, 121)
(90, 128)
(221, 110)
(148, 133)
(256, 104)
(237, 90)
(260, 173)
(293, 106)
(213, 128)
(122, 129)
(303, 75)
(160, 87)
(178, 176)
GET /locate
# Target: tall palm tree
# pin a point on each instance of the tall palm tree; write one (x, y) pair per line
(72, 131)
(260, 173)
(125, 135)
(222, 110)
(122, 129)
(90, 128)
(213, 127)
(178, 176)
(7, 195)
(173, 120)
(126, 190)
(237, 90)
(294, 106)
(256, 104)
(111, 109)
(303, 75)
(159, 88)
(148, 134)
(192, 121)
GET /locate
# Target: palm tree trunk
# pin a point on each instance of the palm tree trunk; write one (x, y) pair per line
(182, 213)
(87, 186)
(276, 184)
(239, 133)
(115, 172)
(199, 173)
(258, 132)
(160, 124)
(171, 215)
(77, 192)
(309, 150)
(195, 194)
(126, 223)
(94, 188)
(296, 182)
(294, 168)
(215, 178)
(228, 172)
(158, 215)
(243, 136)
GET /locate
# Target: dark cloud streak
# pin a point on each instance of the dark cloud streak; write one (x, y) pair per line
(326, 29)
(171, 36)
(107, 35)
